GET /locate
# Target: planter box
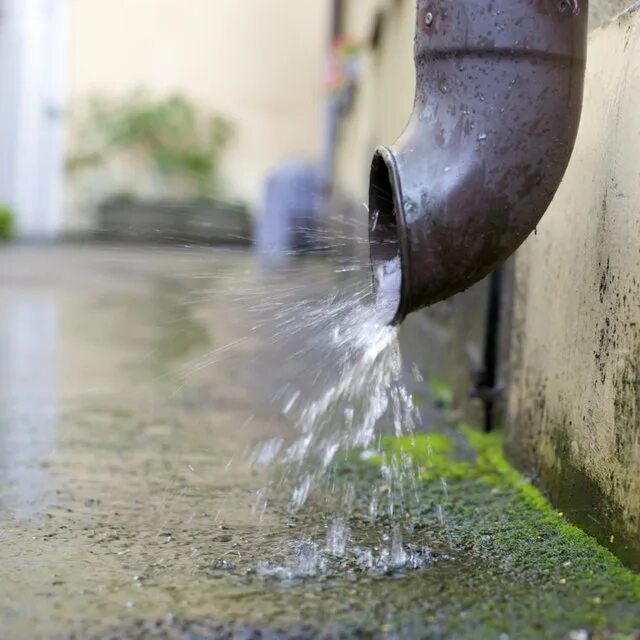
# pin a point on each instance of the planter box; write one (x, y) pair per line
(167, 222)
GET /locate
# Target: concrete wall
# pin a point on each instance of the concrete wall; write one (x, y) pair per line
(574, 391)
(259, 63)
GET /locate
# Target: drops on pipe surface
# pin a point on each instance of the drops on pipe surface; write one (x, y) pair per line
(499, 88)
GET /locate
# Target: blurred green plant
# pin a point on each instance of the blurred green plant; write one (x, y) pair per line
(441, 392)
(7, 223)
(171, 134)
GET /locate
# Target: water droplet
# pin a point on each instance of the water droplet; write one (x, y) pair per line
(398, 557)
(337, 538)
(301, 493)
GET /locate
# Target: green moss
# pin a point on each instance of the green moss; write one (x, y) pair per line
(545, 572)
(495, 468)
(430, 453)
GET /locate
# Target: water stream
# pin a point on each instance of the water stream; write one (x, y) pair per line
(360, 391)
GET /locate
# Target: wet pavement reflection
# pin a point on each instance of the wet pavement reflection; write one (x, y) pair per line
(123, 445)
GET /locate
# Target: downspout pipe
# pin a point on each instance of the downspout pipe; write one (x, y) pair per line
(499, 88)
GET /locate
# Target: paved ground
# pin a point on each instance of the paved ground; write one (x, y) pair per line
(132, 387)
(123, 431)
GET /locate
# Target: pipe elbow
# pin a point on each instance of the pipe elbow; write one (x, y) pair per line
(497, 108)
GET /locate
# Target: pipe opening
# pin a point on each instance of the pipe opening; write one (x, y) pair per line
(384, 242)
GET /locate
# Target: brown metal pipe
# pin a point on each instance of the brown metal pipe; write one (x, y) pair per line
(497, 108)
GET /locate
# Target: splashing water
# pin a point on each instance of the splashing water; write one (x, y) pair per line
(365, 396)
(337, 537)
(369, 392)
(307, 563)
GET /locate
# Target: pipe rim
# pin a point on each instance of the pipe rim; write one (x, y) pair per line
(386, 156)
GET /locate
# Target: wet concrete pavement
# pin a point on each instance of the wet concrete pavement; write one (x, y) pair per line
(122, 444)
(133, 387)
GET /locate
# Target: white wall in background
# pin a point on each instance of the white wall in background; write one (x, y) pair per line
(33, 42)
(258, 62)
